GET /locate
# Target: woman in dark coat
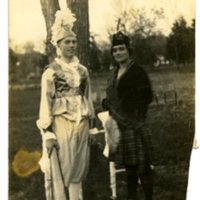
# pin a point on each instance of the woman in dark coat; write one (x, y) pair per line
(128, 96)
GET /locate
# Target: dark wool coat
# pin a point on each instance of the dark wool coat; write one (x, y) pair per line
(128, 99)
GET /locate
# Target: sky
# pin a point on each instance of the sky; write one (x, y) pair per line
(26, 22)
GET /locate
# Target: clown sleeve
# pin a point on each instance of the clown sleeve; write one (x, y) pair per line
(47, 96)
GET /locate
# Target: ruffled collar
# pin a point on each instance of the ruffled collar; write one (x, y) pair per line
(72, 68)
(65, 66)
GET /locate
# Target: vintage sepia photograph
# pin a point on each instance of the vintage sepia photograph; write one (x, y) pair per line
(102, 100)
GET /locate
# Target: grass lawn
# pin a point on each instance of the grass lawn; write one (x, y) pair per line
(172, 127)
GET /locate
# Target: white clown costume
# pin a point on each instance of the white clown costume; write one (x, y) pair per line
(66, 106)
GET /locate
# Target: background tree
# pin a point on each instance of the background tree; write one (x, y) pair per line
(192, 40)
(158, 42)
(49, 8)
(26, 65)
(143, 51)
(94, 54)
(181, 42)
(28, 47)
(13, 63)
(80, 9)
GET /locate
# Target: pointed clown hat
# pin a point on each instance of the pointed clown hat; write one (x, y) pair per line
(62, 27)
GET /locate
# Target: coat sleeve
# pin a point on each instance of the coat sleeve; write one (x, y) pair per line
(144, 89)
(47, 95)
(143, 94)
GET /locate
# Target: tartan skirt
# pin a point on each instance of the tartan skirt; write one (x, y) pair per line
(134, 147)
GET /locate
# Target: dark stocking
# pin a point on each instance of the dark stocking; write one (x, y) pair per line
(145, 175)
(132, 182)
(147, 183)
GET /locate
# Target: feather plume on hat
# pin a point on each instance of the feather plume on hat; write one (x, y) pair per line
(62, 27)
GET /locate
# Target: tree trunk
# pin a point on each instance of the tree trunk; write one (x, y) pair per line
(81, 28)
(49, 8)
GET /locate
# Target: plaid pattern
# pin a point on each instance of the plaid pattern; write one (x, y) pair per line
(134, 148)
